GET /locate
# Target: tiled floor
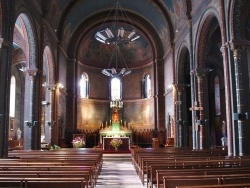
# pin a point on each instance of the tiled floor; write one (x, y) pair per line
(118, 172)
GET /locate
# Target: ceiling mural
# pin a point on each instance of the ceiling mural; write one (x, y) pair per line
(96, 54)
(68, 16)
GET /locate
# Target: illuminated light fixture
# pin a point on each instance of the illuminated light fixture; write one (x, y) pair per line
(116, 34)
(116, 104)
(115, 72)
(60, 85)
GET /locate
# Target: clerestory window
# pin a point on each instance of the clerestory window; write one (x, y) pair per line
(115, 89)
(84, 86)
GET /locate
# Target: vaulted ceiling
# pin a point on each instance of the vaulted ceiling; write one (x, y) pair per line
(76, 22)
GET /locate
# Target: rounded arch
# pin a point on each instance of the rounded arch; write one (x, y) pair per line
(30, 39)
(145, 27)
(203, 28)
(160, 22)
(182, 57)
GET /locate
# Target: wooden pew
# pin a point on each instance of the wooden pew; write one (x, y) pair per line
(175, 181)
(153, 166)
(11, 182)
(55, 182)
(68, 159)
(210, 171)
(240, 185)
(87, 171)
(140, 157)
(42, 182)
(50, 174)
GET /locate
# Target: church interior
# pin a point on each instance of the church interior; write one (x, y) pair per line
(125, 76)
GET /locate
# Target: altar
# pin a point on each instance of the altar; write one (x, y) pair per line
(123, 147)
(116, 129)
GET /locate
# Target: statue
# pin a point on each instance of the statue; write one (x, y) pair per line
(19, 134)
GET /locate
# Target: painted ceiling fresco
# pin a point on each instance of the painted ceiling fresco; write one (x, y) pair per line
(96, 54)
(67, 16)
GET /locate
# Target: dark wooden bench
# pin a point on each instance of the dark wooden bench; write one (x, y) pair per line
(240, 185)
(55, 182)
(173, 182)
(184, 172)
(62, 160)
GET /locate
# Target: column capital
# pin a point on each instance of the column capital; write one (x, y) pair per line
(180, 87)
(31, 72)
(201, 72)
(236, 46)
(4, 43)
(158, 59)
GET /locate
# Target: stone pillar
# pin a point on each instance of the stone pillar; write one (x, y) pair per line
(230, 128)
(29, 123)
(201, 74)
(237, 47)
(72, 95)
(179, 108)
(192, 85)
(5, 54)
(51, 125)
(159, 94)
(227, 80)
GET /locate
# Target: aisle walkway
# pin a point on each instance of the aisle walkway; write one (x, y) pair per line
(118, 172)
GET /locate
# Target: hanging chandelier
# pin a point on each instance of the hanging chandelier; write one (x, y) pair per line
(115, 72)
(120, 33)
(117, 34)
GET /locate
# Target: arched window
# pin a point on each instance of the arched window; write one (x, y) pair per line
(12, 96)
(84, 86)
(115, 89)
(147, 86)
(217, 95)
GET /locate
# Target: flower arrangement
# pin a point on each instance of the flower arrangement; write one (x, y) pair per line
(116, 142)
(78, 142)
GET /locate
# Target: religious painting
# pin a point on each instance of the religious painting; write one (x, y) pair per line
(96, 54)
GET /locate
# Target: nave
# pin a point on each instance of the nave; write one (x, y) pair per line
(118, 172)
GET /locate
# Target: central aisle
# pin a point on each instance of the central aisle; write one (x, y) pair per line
(118, 172)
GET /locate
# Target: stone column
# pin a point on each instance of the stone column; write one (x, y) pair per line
(50, 125)
(72, 95)
(179, 108)
(192, 85)
(159, 94)
(5, 56)
(227, 80)
(201, 74)
(237, 47)
(29, 133)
